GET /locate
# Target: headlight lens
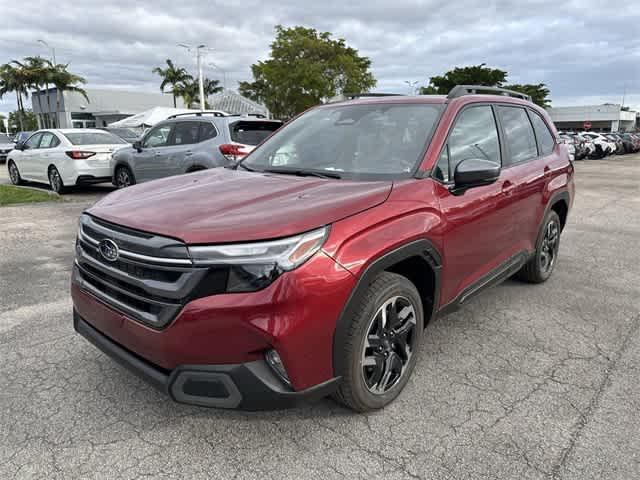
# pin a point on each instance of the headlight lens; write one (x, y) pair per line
(286, 253)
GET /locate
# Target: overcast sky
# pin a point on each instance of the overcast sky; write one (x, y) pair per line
(585, 53)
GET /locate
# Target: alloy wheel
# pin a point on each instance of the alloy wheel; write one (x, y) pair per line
(390, 342)
(123, 178)
(549, 247)
(55, 180)
(14, 175)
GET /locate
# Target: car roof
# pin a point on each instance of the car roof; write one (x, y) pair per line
(431, 99)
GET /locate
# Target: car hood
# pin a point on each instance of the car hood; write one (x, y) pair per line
(222, 205)
(7, 146)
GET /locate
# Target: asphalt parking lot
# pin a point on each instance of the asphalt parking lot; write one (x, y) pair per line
(526, 382)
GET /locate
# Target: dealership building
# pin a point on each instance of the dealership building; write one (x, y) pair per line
(597, 118)
(102, 108)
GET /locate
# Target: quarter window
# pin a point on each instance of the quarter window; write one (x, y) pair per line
(545, 139)
(207, 131)
(519, 137)
(474, 136)
(157, 137)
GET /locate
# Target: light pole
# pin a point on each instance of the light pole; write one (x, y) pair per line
(199, 63)
(224, 74)
(412, 86)
(53, 50)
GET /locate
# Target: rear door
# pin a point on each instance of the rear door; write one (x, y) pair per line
(145, 162)
(477, 234)
(527, 170)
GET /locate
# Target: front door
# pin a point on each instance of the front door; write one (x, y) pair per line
(148, 162)
(477, 234)
(28, 166)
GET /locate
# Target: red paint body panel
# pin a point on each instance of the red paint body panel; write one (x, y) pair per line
(222, 205)
(297, 314)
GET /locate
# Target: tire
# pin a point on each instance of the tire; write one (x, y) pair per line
(370, 387)
(14, 173)
(123, 177)
(540, 266)
(55, 181)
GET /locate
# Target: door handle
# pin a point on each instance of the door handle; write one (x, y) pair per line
(157, 154)
(508, 187)
(188, 153)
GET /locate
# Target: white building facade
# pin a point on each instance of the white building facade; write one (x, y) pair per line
(597, 118)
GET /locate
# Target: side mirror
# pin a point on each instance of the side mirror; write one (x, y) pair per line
(137, 145)
(19, 146)
(475, 172)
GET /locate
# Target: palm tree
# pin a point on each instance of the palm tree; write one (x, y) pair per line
(174, 76)
(190, 91)
(37, 72)
(65, 81)
(211, 87)
(13, 79)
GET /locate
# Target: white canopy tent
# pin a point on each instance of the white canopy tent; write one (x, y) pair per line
(150, 117)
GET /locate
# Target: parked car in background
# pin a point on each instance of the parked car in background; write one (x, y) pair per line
(187, 143)
(584, 146)
(632, 141)
(64, 158)
(6, 145)
(570, 143)
(127, 134)
(603, 146)
(620, 150)
(21, 137)
(313, 267)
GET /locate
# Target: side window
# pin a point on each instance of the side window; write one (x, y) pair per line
(207, 131)
(157, 137)
(518, 132)
(49, 140)
(33, 141)
(184, 133)
(474, 135)
(544, 136)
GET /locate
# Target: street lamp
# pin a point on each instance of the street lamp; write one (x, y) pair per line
(224, 74)
(199, 63)
(53, 50)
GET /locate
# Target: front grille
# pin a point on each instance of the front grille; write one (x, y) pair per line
(151, 280)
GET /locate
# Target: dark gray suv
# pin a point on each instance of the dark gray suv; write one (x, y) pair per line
(189, 142)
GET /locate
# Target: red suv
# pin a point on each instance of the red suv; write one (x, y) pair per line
(312, 267)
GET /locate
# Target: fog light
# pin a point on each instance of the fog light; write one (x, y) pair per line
(275, 362)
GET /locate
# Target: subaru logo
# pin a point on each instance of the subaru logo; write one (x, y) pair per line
(109, 250)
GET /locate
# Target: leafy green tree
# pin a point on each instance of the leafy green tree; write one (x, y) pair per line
(539, 93)
(22, 121)
(305, 68)
(65, 81)
(13, 79)
(190, 91)
(488, 77)
(3, 127)
(174, 76)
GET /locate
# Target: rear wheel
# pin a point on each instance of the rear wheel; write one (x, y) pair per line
(539, 268)
(14, 174)
(382, 344)
(55, 181)
(124, 177)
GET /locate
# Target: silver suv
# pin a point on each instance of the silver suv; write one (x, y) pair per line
(189, 142)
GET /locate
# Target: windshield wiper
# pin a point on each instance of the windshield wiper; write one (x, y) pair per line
(304, 173)
(242, 165)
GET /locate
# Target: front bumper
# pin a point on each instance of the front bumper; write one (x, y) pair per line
(245, 386)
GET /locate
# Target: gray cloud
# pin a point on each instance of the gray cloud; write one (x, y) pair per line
(584, 52)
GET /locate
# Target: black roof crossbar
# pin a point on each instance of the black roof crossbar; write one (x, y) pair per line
(215, 113)
(461, 90)
(351, 96)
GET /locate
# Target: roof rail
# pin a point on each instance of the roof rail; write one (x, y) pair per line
(215, 113)
(461, 90)
(351, 96)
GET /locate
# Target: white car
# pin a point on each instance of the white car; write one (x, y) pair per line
(603, 144)
(64, 158)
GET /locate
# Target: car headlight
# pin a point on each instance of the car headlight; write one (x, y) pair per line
(253, 266)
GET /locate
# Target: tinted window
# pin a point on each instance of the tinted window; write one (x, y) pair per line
(474, 135)
(357, 141)
(93, 138)
(207, 131)
(519, 137)
(33, 141)
(544, 136)
(157, 137)
(252, 133)
(184, 133)
(49, 140)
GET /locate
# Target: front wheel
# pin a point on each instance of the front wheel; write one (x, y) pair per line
(124, 177)
(382, 344)
(14, 173)
(539, 268)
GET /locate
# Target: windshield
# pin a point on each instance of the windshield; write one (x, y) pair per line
(124, 133)
(370, 141)
(93, 138)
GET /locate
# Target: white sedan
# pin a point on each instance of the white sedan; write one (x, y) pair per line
(64, 157)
